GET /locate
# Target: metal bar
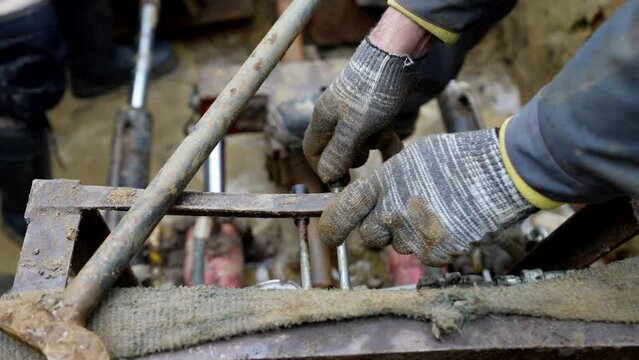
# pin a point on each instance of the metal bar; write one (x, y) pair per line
(320, 254)
(69, 195)
(302, 228)
(45, 257)
(213, 182)
(214, 170)
(487, 338)
(201, 232)
(148, 20)
(131, 146)
(342, 252)
(585, 237)
(305, 261)
(106, 265)
(57, 244)
(131, 152)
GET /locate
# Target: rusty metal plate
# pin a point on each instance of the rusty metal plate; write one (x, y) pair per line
(493, 337)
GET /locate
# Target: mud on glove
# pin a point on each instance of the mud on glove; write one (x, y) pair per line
(355, 113)
(433, 199)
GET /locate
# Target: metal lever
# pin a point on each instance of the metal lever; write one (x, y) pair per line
(342, 250)
(302, 226)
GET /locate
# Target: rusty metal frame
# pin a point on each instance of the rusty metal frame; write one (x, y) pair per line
(65, 227)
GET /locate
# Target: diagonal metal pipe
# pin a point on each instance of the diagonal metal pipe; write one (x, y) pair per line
(105, 266)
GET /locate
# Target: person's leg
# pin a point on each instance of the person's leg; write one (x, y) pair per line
(97, 64)
(24, 156)
(32, 81)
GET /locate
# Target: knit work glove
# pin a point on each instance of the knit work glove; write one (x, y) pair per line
(355, 113)
(433, 199)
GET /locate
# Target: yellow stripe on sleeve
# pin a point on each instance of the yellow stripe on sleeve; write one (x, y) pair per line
(442, 34)
(526, 191)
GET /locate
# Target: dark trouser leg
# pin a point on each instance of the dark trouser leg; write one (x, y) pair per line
(97, 64)
(31, 82)
(24, 156)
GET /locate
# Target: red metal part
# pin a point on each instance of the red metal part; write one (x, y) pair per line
(404, 269)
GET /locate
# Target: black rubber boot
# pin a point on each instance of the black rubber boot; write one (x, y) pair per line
(24, 156)
(97, 64)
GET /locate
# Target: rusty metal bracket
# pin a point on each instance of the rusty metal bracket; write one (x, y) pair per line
(584, 238)
(65, 226)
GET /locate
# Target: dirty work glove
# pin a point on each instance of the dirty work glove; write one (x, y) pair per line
(355, 113)
(433, 199)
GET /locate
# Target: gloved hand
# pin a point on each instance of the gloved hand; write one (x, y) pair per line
(355, 113)
(433, 199)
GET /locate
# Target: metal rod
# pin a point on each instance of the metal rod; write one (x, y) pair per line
(87, 289)
(302, 228)
(148, 21)
(305, 259)
(214, 170)
(342, 252)
(213, 182)
(201, 233)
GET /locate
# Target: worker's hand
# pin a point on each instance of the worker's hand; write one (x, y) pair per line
(433, 199)
(355, 113)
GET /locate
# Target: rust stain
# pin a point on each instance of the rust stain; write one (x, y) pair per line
(37, 321)
(52, 265)
(173, 190)
(272, 39)
(120, 195)
(258, 65)
(72, 234)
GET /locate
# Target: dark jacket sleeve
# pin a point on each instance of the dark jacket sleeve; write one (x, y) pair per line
(448, 19)
(577, 140)
(442, 64)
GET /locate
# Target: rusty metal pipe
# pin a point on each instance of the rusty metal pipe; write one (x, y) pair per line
(105, 266)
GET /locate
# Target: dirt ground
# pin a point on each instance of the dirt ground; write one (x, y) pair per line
(518, 57)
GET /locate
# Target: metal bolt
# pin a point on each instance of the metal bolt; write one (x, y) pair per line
(508, 280)
(36, 251)
(531, 276)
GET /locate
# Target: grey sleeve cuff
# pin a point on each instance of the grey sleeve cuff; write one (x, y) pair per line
(527, 150)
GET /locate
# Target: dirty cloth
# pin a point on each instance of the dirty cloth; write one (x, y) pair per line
(137, 321)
